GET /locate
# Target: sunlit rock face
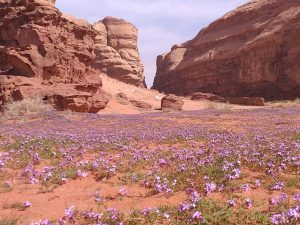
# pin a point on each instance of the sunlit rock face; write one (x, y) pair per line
(45, 53)
(52, 1)
(251, 51)
(116, 50)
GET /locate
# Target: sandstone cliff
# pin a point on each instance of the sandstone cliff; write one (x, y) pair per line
(55, 56)
(116, 51)
(251, 51)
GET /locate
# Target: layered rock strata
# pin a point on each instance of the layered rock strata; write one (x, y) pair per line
(45, 53)
(251, 51)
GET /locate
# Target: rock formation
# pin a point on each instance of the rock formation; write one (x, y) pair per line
(171, 103)
(116, 51)
(52, 1)
(123, 99)
(207, 96)
(252, 101)
(251, 51)
(55, 56)
(141, 104)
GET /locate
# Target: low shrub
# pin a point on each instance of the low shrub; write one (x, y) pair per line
(218, 106)
(285, 103)
(25, 107)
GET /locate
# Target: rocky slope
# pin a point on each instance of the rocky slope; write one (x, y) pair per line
(55, 56)
(251, 51)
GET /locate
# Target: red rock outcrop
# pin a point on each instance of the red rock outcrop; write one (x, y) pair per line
(78, 97)
(123, 99)
(116, 51)
(171, 103)
(141, 104)
(251, 51)
(46, 53)
(253, 101)
(206, 96)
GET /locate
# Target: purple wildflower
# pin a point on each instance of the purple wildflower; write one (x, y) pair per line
(81, 174)
(297, 197)
(46, 222)
(257, 183)
(36, 158)
(194, 196)
(210, 187)
(1, 163)
(231, 203)
(184, 207)
(236, 173)
(278, 186)
(69, 212)
(123, 191)
(27, 204)
(146, 211)
(248, 202)
(197, 216)
(162, 162)
(278, 219)
(245, 187)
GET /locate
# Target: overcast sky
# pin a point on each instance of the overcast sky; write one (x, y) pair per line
(161, 23)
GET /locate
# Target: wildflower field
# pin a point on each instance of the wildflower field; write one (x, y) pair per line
(201, 167)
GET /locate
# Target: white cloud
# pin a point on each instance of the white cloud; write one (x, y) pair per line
(161, 23)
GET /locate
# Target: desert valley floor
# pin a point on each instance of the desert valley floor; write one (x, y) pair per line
(215, 140)
(214, 166)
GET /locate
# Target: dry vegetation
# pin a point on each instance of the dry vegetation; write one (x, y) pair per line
(286, 103)
(218, 106)
(27, 106)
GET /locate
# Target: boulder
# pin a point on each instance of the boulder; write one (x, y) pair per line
(206, 96)
(74, 97)
(141, 104)
(171, 102)
(122, 98)
(253, 50)
(122, 95)
(251, 101)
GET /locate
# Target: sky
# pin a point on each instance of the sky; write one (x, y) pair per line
(161, 23)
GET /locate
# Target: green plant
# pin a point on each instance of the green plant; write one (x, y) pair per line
(295, 137)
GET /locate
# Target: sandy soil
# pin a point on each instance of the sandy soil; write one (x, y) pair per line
(51, 203)
(152, 97)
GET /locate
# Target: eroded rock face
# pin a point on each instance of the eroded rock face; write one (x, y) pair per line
(80, 97)
(171, 103)
(52, 1)
(252, 101)
(45, 50)
(141, 104)
(251, 51)
(123, 99)
(116, 51)
(206, 96)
